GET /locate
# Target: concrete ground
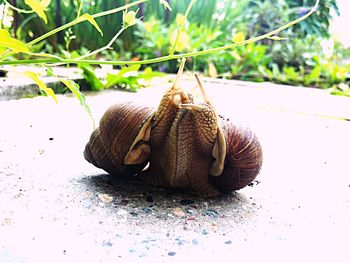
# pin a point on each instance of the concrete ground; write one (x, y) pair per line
(56, 207)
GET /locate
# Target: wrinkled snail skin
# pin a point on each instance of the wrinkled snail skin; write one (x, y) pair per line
(110, 143)
(183, 158)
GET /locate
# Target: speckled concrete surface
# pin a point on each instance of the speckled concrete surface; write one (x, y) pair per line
(55, 207)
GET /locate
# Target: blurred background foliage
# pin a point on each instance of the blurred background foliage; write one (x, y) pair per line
(307, 55)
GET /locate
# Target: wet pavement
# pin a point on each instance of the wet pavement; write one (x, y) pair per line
(56, 207)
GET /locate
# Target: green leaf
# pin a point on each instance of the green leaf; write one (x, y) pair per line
(6, 41)
(290, 73)
(75, 89)
(91, 21)
(165, 4)
(90, 76)
(265, 72)
(341, 89)
(114, 79)
(212, 71)
(38, 7)
(181, 41)
(275, 70)
(130, 78)
(42, 86)
(132, 68)
(50, 72)
(315, 73)
(148, 74)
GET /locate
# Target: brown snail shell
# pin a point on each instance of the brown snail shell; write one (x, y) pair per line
(111, 142)
(243, 160)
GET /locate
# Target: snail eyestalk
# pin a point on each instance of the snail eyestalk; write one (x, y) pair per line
(179, 73)
(204, 94)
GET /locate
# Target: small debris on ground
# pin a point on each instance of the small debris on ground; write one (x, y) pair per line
(179, 212)
(105, 198)
(211, 213)
(186, 201)
(147, 210)
(255, 182)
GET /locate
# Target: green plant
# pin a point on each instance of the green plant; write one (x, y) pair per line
(316, 25)
(247, 61)
(325, 74)
(264, 16)
(201, 13)
(91, 78)
(156, 39)
(170, 56)
(256, 17)
(343, 89)
(295, 52)
(154, 36)
(128, 78)
(62, 12)
(9, 46)
(335, 73)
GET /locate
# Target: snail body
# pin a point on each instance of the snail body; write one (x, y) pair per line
(186, 144)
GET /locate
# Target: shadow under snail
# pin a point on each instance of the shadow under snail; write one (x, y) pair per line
(181, 144)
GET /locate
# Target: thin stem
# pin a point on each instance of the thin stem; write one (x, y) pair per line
(180, 29)
(118, 9)
(54, 31)
(80, 8)
(18, 9)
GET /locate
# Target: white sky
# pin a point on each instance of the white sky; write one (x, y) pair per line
(340, 27)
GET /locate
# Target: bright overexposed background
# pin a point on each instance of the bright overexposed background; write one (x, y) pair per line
(340, 26)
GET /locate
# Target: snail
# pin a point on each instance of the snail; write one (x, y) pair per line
(181, 144)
